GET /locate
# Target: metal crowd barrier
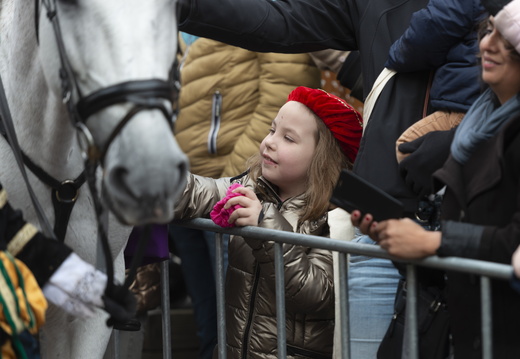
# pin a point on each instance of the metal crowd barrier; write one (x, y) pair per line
(486, 271)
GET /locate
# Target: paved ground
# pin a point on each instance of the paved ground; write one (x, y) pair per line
(183, 336)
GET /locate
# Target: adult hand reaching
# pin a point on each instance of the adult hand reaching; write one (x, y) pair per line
(401, 238)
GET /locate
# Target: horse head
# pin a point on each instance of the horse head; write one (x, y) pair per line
(112, 63)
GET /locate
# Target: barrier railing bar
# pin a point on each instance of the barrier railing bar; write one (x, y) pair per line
(280, 299)
(411, 341)
(221, 309)
(343, 306)
(477, 267)
(486, 326)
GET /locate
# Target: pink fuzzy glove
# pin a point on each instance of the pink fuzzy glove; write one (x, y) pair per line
(219, 215)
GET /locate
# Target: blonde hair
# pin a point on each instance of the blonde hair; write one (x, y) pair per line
(323, 172)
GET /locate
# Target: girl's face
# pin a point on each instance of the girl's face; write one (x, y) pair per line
(499, 70)
(288, 149)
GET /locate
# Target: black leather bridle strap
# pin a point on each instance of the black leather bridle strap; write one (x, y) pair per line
(144, 94)
(141, 92)
(63, 194)
(10, 134)
(69, 85)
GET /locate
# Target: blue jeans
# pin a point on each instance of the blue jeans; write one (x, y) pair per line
(372, 287)
(196, 249)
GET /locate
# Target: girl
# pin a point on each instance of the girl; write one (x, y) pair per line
(481, 205)
(287, 187)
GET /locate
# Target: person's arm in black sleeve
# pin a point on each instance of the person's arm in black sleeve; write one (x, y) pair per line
(272, 26)
(23, 240)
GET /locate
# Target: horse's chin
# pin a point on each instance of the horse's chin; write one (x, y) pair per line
(136, 213)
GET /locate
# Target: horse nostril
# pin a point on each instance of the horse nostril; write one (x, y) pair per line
(183, 168)
(119, 178)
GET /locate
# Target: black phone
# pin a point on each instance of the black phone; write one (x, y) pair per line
(353, 192)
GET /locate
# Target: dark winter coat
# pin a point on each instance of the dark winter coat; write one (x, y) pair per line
(482, 221)
(443, 37)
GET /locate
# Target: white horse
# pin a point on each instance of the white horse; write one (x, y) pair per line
(104, 43)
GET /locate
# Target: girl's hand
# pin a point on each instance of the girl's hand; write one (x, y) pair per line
(251, 207)
(405, 238)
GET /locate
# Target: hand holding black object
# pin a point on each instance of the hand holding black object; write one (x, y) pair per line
(427, 154)
(121, 305)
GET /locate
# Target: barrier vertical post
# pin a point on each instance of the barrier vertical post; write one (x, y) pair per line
(411, 341)
(280, 299)
(344, 306)
(485, 299)
(221, 308)
(165, 310)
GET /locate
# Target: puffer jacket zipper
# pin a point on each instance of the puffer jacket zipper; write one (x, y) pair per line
(216, 111)
(245, 340)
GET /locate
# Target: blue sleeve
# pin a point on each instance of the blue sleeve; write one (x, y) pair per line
(432, 32)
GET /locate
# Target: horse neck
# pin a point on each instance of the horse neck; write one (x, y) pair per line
(41, 122)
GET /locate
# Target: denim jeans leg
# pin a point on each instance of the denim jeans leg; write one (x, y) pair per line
(372, 287)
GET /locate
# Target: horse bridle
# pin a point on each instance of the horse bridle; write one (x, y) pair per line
(143, 94)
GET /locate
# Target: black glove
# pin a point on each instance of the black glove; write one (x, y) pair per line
(121, 305)
(427, 154)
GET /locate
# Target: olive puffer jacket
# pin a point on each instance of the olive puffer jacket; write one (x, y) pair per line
(250, 287)
(229, 98)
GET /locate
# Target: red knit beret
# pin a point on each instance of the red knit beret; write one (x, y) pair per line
(345, 123)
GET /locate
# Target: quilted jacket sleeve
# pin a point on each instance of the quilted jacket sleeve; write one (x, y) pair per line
(432, 32)
(200, 196)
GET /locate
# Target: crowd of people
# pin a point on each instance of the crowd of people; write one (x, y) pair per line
(439, 133)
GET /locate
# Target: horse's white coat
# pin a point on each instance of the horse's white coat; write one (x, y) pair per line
(108, 42)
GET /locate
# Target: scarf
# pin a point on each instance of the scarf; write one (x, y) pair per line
(483, 120)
